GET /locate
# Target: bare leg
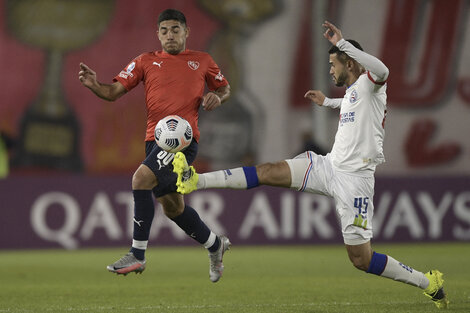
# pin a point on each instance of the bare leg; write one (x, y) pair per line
(274, 174)
(360, 255)
(271, 174)
(173, 204)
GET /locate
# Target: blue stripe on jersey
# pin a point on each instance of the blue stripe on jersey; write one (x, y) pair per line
(251, 177)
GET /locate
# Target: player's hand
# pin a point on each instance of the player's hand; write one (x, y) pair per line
(332, 33)
(211, 101)
(316, 96)
(87, 76)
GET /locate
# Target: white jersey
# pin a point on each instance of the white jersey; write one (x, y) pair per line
(358, 146)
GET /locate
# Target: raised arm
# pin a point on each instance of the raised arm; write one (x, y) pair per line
(376, 67)
(109, 92)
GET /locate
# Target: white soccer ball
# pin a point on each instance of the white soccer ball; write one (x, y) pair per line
(173, 133)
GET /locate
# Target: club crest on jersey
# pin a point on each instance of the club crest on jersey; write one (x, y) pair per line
(353, 97)
(128, 71)
(194, 65)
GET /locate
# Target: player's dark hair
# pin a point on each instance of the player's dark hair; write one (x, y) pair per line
(171, 14)
(342, 56)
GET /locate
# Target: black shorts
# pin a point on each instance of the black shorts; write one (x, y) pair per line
(160, 162)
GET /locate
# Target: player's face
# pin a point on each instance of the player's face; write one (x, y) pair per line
(172, 35)
(337, 70)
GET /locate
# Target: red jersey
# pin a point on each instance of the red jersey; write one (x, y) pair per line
(174, 84)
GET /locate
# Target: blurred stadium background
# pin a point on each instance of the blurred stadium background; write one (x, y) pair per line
(71, 155)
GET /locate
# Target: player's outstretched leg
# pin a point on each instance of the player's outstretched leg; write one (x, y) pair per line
(127, 264)
(187, 176)
(216, 266)
(435, 290)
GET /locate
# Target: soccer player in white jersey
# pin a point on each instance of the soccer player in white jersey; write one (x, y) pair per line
(347, 173)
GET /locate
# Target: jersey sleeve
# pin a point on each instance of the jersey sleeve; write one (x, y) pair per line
(214, 77)
(332, 103)
(131, 75)
(377, 72)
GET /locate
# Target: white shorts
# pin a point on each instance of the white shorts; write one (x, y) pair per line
(353, 194)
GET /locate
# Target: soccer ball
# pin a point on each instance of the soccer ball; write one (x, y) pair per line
(173, 133)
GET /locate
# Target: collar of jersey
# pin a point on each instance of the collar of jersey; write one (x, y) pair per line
(352, 84)
(166, 54)
(355, 81)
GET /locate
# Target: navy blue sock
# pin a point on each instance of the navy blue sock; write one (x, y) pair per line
(193, 226)
(377, 264)
(144, 211)
(251, 177)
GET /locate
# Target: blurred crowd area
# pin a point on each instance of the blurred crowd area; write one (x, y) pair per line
(271, 51)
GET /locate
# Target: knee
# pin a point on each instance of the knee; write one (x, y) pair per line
(171, 207)
(173, 211)
(143, 179)
(360, 255)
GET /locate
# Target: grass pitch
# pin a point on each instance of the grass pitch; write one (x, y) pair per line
(256, 279)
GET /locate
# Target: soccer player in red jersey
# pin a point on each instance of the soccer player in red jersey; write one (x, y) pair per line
(174, 80)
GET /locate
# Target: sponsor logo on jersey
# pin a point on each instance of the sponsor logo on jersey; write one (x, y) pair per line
(128, 71)
(219, 76)
(158, 64)
(194, 65)
(347, 117)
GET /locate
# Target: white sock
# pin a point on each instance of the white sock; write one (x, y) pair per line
(401, 272)
(210, 241)
(139, 244)
(233, 179)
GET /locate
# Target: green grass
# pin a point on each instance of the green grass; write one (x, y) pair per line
(256, 279)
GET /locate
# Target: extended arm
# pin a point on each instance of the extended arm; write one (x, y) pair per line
(105, 91)
(215, 98)
(317, 97)
(334, 103)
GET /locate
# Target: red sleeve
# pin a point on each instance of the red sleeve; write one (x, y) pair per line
(131, 75)
(214, 77)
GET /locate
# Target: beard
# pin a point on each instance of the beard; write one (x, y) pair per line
(173, 49)
(341, 80)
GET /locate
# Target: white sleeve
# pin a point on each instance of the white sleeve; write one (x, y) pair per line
(376, 68)
(332, 103)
